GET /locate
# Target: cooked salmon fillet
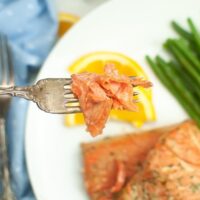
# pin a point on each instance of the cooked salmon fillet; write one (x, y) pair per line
(98, 94)
(110, 163)
(171, 169)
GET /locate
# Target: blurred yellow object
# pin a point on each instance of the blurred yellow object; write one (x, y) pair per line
(95, 62)
(66, 21)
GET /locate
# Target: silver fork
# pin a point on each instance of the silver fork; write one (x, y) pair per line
(7, 80)
(52, 95)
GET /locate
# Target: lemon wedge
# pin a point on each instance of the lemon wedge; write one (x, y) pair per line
(66, 21)
(95, 62)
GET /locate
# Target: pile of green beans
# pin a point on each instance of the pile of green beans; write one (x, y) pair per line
(181, 74)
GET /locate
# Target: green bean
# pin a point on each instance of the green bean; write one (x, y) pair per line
(194, 32)
(187, 52)
(178, 83)
(182, 32)
(187, 36)
(165, 80)
(182, 60)
(187, 79)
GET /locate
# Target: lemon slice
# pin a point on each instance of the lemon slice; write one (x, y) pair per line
(66, 21)
(95, 62)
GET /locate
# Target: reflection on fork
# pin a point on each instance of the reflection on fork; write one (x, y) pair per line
(6, 79)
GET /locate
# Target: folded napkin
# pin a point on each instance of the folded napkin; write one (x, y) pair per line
(31, 27)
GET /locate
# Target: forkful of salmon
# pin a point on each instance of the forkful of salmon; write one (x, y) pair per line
(93, 94)
(52, 95)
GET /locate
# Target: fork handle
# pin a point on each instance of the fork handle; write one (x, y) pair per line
(15, 91)
(7, 191)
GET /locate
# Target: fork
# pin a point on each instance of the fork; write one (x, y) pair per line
(52, 95)
(7, 80)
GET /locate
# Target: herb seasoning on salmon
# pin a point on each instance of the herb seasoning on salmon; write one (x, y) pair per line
(171, 169)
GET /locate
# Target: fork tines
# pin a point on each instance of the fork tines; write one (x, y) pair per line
(69, 96)
(72, 102)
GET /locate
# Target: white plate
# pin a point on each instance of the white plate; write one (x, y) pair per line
(132, 27)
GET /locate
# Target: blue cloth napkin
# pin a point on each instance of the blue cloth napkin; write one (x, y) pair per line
(31, 27)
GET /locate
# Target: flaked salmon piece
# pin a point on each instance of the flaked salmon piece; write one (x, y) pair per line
(120, 177)
(93, 100)
(119, 88)
(171, 169)
(98, 94)
(110, 163)
(139, 81)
